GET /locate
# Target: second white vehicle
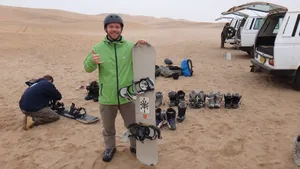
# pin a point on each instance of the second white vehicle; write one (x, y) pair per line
(250, 26)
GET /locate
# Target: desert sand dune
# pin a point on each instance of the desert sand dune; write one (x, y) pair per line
(35, 42)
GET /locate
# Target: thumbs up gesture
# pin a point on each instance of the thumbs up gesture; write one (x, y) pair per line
(96, 58)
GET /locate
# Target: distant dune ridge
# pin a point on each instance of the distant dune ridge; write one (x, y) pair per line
(35, 42)
(53, 16)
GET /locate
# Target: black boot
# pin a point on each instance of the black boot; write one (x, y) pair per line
(93, 91)
(193, 100)
(228, 100)
(108, 154)
(236, 100)
(180, 96)
(171, 118)
(89, 96)
(158, 116)
(173, 99)
(158, 99)
(95, 96)
(181, 111)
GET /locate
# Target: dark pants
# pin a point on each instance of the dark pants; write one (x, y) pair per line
(222, 40)
(43, 116)
(109, 114)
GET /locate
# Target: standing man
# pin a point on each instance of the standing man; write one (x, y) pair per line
(223, 34)
(113, 58)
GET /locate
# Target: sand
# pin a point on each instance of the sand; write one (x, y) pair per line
(35, 42)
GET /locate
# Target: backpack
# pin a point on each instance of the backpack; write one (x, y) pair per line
(187, 67)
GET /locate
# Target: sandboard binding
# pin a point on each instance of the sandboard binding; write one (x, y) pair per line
(137, 88)
(74, 113)
(142, 131)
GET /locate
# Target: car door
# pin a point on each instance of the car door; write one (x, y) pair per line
(287, 45)
(250, 31)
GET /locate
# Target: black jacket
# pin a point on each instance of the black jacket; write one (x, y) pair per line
(38, 96)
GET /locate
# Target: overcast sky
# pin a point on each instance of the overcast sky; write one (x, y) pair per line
(194, 10)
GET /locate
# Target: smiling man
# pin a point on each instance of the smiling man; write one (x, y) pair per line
(113, 58)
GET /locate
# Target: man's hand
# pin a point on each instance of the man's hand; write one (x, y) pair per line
(96, 58)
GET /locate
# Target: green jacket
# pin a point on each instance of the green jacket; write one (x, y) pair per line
(116, 71)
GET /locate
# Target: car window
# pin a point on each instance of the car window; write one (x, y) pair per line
(258, 23)
(296, 27)
(279, 21)
(232, 23)
(249, 23)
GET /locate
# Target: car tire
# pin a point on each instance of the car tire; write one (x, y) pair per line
(230, 32)
(296, 81)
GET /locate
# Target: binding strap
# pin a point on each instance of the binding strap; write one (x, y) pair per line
(137, 87)
(143, 85)
(57, 106)
(190, 66)
(75, 112)
(142, 131)
(125, 93)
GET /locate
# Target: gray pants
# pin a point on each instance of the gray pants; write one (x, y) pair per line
(43, 116)
(109, 114)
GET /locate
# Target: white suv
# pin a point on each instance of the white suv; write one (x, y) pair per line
(277, 45)
(250, 26)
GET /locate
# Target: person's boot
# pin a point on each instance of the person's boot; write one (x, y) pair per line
(89, 96)
(211, 100)
(95, 97)
(93, 91)
(193, 100)
(173, 99)
(108, 154)
(180, 96)
(158, 99)
(218, 100)
(158, 116)
(201, 99)
(228, 100)
(132, 150)
(236, 100)
(181, 111)
(28, 122)
(164, 119)
(296, 151)
(171, 118)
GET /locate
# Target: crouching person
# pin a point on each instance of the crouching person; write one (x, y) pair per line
(34, 102)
